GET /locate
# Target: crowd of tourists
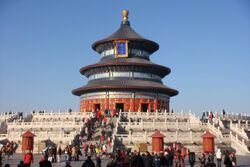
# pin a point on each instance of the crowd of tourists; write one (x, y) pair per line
(167, 158)
(7, 150)
(83, 144)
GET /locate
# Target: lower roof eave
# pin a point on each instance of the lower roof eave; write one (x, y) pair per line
(83, 90)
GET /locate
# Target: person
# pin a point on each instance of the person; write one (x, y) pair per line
(227, 160)
(67, 164)
(156, 160)
(7, 165)
(21, 164)
(233, 156)
(218, 157)
(98, 161)
(177, 158)
(58, 154)
(203, 160)
(148, 161)
(88, 162)
(28, 158)
(44, 162)
(111, 161)
(191, 158)
(163, 160)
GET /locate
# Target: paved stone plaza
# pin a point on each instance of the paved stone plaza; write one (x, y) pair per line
(243, 161)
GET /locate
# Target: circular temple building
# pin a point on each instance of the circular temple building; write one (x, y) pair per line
(125, 79)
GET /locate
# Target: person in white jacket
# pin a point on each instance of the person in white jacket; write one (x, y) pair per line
(219, 157)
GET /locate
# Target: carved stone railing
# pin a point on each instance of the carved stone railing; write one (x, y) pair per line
(60, 116)
(239, 145)
(144, 137)
(238, 129)
(161, 125)
(114, 135)
(6, 116)
(216, 131)
(53, 125)
(156, 115)
(236, 116)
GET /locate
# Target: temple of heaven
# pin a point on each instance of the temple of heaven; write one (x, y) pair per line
(125, 79)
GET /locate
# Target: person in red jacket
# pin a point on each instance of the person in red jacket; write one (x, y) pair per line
(28, 158)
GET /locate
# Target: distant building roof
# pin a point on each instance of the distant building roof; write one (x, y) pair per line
(28, 134)
(126, 84)
(207, 134)
(158, 134)
(125, 32)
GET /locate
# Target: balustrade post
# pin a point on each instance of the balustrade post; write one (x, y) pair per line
(129, 114)
(242, 129)
(129, 123)
(246, 124)
(156, 113)
(177, 123)
(145, 136)
(47, 133)
(176, 135)
(154, 123)
(129, 136)
(61, 135)
(189, 124)
(142, 124)
(191, 135)
(165, 122)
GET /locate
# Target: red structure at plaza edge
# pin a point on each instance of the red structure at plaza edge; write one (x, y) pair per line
(125, 79)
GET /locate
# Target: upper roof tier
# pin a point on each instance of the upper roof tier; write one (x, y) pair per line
(125, 32)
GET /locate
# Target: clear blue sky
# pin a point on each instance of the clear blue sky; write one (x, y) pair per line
(43, 44)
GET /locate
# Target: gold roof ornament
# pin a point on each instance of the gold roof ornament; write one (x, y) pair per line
(125, 15)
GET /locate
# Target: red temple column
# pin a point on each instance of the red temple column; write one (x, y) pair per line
(149, 107)
(132, 103)
(107, 103)
(155, 105)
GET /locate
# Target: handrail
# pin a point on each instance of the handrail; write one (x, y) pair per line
(239, 130)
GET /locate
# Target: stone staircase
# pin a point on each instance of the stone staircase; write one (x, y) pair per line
(234, 134)
(136, 128)
(97, 134)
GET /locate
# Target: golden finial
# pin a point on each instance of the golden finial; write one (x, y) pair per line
(125, 15)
